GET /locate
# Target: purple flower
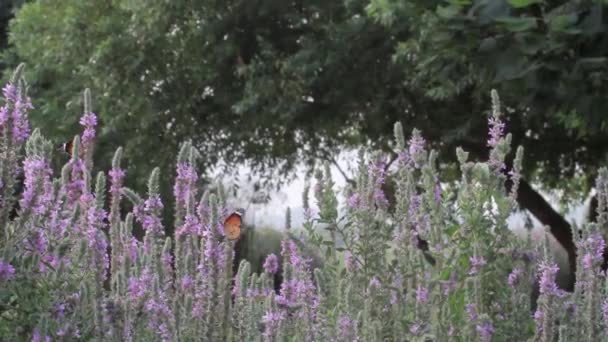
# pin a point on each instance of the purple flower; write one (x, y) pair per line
(380, 197)
(349, 261)
(184, 182)
(416, 148)
(309, 214)
(36, 337)
(51, 260)
(374, 282)
(97, 243)
(496, 131)
(415, 203)
(449, 285)
(75, 187)
(213, 253)
(132, 246)
(538, 319)
(354, 201)
(159, 314)
(37, 194)
(471, 310)
(89, 121)
(295, 292)
(191, 226)
(10, 92)
(271, 264)
(422, 294)
(594, 247)
(377, 172)
(416, 328)
(272, 322)
(346, 329)
(13, 115)
(477, 262)
(58, 310)
(149, 215)
(437, 191)
(167, 262)
(547, 279)
(291, 253)
(485, 330)
(513, 278)
(116, 180)
(515, 178)
(7, 271)
(138, 286)
(187, 283)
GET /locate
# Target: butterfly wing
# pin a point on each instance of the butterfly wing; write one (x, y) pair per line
(67, 147)
(232, 227)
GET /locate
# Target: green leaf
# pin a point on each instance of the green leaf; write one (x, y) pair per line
(523, 3)
(448, 12)
(460, 2)
(563, 23)
(518, 24)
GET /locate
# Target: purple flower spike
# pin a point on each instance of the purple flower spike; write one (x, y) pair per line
(547, 279)
(594, 247)
(184, 182)
(539, 315)
(38, 192)
(7, 271)
(116, 180)
(13, 115)
(513, 278)
(471, 310)
(89, 121)
(272, 321)
(496, 131)
(354, 201)
(477, 262)
(346, 329)
(422, 294)
(485, 331)
(416, 147)
(271, 265)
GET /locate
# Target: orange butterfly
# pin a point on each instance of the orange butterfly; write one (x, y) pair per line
(232, 226)
(68, 147)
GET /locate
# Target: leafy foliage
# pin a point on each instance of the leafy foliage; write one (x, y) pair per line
(275, 82)
(546, 58)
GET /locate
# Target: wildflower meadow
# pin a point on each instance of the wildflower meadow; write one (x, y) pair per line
(438, 264)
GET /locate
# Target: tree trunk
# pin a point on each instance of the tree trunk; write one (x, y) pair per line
(529, 199)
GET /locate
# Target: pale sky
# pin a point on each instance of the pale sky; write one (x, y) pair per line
(273, 213)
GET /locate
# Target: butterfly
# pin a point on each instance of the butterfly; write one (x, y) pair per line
(232, 225)
(67, 147)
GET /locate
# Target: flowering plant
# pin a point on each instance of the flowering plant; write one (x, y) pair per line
(438, 264)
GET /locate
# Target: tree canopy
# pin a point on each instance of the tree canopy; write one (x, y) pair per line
(275, 82)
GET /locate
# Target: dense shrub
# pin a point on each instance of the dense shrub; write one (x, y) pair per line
(71, 269)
